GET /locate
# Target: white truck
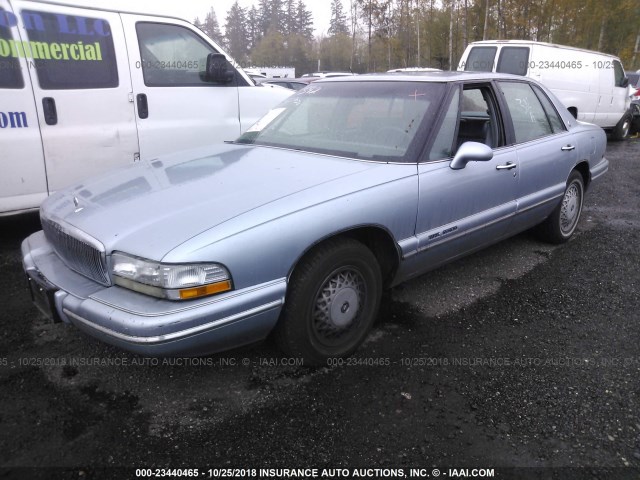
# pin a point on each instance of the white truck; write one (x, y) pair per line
(592, 85)
(86, 89)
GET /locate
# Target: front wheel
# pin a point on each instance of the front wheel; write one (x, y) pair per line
(331, 303)
(562, 222)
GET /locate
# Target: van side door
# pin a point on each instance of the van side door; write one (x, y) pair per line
(23, 182)
(80, 76)
(177, 106)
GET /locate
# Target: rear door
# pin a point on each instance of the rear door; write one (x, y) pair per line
(23, 182)
(177, 108)
(546, 150)
(78, 65)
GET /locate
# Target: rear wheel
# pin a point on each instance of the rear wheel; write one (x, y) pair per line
(332, 302)
(560, 225)
(621, 130)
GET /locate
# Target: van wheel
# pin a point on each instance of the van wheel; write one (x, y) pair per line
(621, 130)
(560, 225)
(331, 303)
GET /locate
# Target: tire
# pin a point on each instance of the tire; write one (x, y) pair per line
(621, 130)
(560, 225)
(635, 123)
(331, 303)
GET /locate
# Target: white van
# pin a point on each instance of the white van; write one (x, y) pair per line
(591, 85)
(86, 89)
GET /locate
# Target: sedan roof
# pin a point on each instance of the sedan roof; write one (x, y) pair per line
(439, 77)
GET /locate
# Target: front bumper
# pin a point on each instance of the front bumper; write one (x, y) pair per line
(147, 325)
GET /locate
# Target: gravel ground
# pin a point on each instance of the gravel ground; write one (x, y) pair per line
(519, 358)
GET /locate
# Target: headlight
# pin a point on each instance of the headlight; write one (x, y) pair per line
(166, 280)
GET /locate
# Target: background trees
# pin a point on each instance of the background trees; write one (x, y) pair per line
(377, 35)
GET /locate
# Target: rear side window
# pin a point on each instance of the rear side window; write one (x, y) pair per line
(513, 60)
(10, 72)
(172, 56)
(529, 118)
(69, 51)
(557, 125)
(481, 59)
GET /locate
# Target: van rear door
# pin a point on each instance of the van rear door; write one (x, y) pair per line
(23, 182)
(177, 107)
(78, 65)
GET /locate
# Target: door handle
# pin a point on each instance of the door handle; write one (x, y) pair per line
(143, 106)
(508, 166)
(49, 110)
(567, 148)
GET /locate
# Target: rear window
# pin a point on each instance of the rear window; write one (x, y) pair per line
(481, 59)
(513, 60)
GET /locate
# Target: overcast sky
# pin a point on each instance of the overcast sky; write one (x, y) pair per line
(190, 9)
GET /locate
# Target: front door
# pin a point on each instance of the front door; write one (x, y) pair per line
(177, 107)
(462, 210)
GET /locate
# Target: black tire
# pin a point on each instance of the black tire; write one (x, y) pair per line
(331, 303)
(635, 123)
(560, 225)
(621, 130)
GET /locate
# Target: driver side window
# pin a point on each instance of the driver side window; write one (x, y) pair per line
(471, 117)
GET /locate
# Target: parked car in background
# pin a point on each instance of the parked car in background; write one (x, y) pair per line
(85, 89)
(634, 94)
(591, 85)
(414, 70)
(325, 74)
(291, 83)
(345, 189)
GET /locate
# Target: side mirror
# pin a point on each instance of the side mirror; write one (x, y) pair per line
(470, 152)
(219, 69)
(625, 82)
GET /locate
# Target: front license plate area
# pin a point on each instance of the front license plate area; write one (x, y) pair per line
(42, 297)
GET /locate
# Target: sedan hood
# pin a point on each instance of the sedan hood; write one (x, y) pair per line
(152, 207)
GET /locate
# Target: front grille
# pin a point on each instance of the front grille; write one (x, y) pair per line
(78, 253)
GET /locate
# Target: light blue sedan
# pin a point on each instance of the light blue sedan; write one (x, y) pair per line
(352, 185)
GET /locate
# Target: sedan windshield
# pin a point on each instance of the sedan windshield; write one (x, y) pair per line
(364, 120)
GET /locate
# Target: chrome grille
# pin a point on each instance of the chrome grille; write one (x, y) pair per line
(84, 255)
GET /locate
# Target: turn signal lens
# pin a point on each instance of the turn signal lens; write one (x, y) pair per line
(197, 292)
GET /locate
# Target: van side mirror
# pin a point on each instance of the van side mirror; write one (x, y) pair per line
(625, 82)
(219, 69)
(470, 152)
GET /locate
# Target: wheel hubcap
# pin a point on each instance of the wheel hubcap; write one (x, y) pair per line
(570, 208)
(338, 304)
(625, 128)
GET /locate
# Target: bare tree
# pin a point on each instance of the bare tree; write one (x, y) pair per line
(486, 21)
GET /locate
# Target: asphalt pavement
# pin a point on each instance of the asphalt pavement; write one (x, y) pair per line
(522, 360)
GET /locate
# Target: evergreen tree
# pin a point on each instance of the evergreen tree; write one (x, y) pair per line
(338, 24)
(211, 26)
(272, 16)
(236, 33)
(253, 27)
(304, 21)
